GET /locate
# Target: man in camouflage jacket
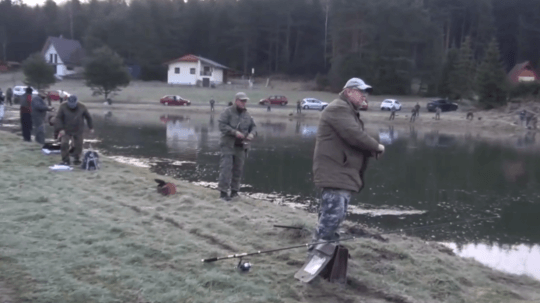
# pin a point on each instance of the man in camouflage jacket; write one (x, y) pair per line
(237, 130)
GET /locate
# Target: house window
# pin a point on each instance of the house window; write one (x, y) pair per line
(192, 71)
(69, 67)
(55, 58)
(177, 70)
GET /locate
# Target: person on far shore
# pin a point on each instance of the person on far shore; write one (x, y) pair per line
(438, 113)
(417, 109)
(212, 102)
(9, 96)
(298, 107)
(392, 112)
(1, 106)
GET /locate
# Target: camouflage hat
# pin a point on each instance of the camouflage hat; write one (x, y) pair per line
(241, 96)
(358, 84)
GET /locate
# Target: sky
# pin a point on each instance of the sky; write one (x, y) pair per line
(40, 2)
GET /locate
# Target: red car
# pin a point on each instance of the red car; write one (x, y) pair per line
(174, 100)
(57, 95)
(280, 100)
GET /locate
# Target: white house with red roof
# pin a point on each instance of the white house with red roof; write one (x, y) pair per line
(195, 70)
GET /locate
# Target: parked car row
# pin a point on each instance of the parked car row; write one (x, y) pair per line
(306, 103)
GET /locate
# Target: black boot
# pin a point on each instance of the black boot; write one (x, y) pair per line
(224, 196)
(234, 194)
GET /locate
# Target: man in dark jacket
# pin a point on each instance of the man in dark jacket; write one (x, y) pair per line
(237, 130)
(39, 113)
(342, 150)
(69, 124)
(9, 96)
(1, 106)
(26, 114)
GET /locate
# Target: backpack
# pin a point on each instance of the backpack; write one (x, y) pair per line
(90, 161)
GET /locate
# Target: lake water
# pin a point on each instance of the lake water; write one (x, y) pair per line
(424, 179)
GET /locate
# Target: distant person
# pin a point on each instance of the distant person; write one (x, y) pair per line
(413, 115)
(237, 130)
(1, 106)
(26, 114)
(392, 112)
(212, 102)
(438, 113)
(69, 124)
(298, 107)
(268, 107)
(39, 113)
(342, 152)
(417, 109)
(9, 96)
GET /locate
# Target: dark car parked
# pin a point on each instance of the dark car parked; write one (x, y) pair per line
(445, 105)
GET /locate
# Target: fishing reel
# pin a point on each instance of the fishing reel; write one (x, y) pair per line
(243, 266)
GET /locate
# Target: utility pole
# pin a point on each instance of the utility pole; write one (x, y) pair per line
(71, 19)
(326, 31)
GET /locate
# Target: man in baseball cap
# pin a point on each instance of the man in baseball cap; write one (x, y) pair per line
(342, 151)
(69, 125)
(237, 130)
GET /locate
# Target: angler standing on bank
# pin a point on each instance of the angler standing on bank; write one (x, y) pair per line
(342, 151)
(237, 130)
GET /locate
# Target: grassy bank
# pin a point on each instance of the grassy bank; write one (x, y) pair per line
(109, 237)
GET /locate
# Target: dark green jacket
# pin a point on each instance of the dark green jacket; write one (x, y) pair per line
(72, 120)
(342, 148)
(231, 121)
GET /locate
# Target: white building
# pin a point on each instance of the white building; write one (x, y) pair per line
(195, 70)
(64, 55)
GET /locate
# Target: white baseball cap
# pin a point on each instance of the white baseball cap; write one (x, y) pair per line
(358, 84)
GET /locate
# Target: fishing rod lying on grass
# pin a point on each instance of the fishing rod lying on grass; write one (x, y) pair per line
(259, 252)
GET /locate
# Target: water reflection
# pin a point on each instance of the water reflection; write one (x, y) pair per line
(515, 259)
(424, 178)
(388, 136)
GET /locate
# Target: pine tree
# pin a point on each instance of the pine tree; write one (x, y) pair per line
(491, 79)
(450, 64)
(105, 72)
(38, 72)
(461, 82)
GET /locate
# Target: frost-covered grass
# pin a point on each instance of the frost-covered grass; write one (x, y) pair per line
(109, 237)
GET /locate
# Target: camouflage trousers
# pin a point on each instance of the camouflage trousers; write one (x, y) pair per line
(231, 167)
(332, 211)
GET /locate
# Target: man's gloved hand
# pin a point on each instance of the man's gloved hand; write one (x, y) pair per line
(379, 152)
(239, 135)
(249, 137)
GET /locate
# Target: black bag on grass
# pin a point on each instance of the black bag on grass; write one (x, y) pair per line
(90, 161)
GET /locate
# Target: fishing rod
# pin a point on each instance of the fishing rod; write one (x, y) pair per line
(272, 250)
(259, 252)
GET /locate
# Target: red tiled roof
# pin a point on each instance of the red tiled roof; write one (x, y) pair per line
(513, 74)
